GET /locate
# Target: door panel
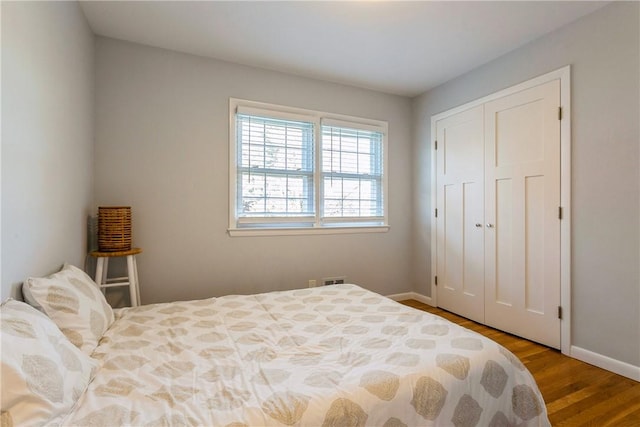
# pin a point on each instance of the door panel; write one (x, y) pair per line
(503, 238)
(473, 285)
(522, 195)
(534, 263)
(520, 141)
(453, 214)
(460, 198)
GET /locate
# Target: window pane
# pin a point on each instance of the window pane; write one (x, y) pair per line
(332, 208)
(276, 186)
(351, 189)
(253, 185)
(276, 206)
(351, 197)
(348, 142)
(366, 189)
(331, 161)
(295, 159)
(274, 144)
(333, 188)
(349, 162)
(350, 208)
(296, 206)
(252, 204)
(296, 187)
(275, 195)
(368, 207)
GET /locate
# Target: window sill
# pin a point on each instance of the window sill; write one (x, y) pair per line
(247, 232)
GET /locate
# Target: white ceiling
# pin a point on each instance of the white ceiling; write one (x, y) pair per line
(403, 48)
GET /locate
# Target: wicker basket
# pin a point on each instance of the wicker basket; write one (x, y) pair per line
(114, 228)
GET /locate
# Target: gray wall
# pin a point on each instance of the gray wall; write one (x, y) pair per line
(603, 50)
(162, 146)
(47, 138)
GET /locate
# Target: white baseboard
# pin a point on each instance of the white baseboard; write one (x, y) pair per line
(621, 368)
(411, 295)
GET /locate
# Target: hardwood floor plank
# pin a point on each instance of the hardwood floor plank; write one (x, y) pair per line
(606, 411)
(632, 419)
(606, 391)
(615, 415)
(575, 393)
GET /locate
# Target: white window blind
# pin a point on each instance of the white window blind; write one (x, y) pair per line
(275, 164)
(352, 174)
(302, 171)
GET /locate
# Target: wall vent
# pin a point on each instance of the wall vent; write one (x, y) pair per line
(334, 280)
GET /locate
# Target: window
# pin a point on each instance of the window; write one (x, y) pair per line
(299, 171)
(275, 161)
(352, 174)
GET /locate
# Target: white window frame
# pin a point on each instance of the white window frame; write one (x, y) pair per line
(317, 225)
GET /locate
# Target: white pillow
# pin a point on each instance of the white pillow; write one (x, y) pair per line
(43, 374)
(74, 302)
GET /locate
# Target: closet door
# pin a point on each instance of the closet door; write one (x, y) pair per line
(522, 198)
(460, 218)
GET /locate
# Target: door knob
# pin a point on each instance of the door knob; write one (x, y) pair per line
(489, 225)
(478, 225)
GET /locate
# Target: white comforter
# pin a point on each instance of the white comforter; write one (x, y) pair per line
(330, 356)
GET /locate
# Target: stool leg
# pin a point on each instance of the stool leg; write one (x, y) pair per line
(101, 272)
(133, 285)
(105, 271)
(135, 274)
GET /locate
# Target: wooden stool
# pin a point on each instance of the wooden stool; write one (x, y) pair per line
(130, 280)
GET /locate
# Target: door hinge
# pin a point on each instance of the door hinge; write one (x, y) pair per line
(436, 144)
(436, 280)
(559, 212)
(436, 212)
(559, 113)
(559, 312)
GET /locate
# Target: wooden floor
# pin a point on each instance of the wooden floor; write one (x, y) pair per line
(576, 393)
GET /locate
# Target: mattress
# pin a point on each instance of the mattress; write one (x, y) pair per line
(330, 356)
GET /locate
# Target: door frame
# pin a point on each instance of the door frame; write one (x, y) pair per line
(564, 75)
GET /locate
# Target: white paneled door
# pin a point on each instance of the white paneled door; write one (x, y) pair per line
(497, 225)
(460, 201)
(522, 199)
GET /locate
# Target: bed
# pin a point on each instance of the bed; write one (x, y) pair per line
(331, 356)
